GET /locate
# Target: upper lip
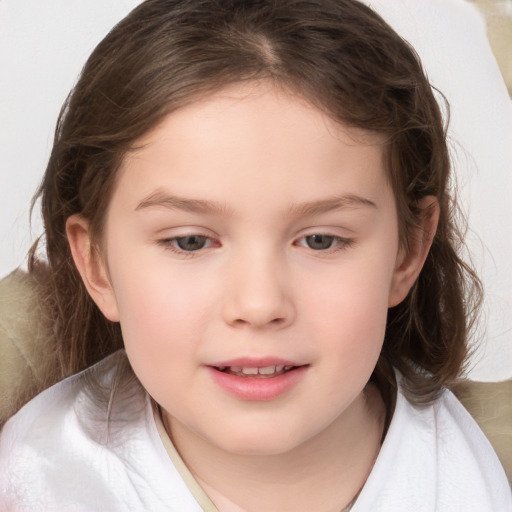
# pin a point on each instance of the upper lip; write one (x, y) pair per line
(256, 362)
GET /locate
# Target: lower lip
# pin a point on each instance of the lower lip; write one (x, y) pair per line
(258, 389)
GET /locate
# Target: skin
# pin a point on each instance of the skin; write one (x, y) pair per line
(269, 172)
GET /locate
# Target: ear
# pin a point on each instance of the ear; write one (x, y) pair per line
(91, 265)
(410, 261)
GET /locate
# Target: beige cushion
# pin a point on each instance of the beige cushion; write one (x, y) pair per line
(490, 403)
(28, 362)
(498, 18)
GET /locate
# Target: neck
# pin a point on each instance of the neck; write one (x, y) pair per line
(323, 474)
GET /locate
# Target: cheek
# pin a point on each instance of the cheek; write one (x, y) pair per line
(160, 335)
(354, 323)
(165, 313)
(349, 306)
(156, 309)
(152, 290)
(354, 333)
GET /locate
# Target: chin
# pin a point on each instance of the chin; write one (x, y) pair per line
(260, 442)
(258, 448)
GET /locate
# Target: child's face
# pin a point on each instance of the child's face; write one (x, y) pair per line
(250, 230)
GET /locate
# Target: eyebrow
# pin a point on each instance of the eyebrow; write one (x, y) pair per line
(203, 206)
(330, 204)
(181, 203)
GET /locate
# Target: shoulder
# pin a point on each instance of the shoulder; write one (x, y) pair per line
(48, 439)
(466, 457)
(55, 409)
(58, 445)
(435, 458)
(89, 443)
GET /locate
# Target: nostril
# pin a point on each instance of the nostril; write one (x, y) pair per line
(239, 322)
(275, 321)
(243, 310)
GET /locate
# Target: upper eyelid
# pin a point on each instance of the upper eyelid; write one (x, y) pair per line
(326, 231)
(169, 244)
(186, 234)
(179, 237)
(184, 230)
(215, 237)
(336, 237)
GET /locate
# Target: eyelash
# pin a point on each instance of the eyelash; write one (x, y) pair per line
(338, 243)
(172, 244)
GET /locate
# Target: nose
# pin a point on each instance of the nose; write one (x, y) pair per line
(259, 293)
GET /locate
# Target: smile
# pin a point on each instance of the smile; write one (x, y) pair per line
(257, 383)
(256, 372)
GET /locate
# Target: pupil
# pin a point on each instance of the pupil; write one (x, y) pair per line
(191, 243)
(320, 241)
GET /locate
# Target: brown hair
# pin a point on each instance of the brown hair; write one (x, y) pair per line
(338, 54)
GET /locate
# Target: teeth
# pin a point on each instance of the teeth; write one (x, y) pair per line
(249, 371)
(264, 371)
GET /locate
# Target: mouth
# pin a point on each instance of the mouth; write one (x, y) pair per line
(256, 372)
(252, 379)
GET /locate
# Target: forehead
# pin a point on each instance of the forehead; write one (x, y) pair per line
(258, 102)
(254, 137)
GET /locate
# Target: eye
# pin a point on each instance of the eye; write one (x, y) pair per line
(319, 242)
(191, 242)
(186, 244)
(324, 242)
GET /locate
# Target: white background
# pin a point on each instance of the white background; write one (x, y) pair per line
(44, 44)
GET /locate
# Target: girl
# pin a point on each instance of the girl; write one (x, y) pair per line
(248, 225)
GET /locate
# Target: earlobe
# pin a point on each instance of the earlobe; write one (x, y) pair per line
(410, 262)
(91, 266)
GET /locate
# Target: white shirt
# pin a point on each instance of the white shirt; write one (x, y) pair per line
(59, 453)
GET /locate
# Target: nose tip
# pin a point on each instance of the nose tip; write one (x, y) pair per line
(257, 319)
(259, 298)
